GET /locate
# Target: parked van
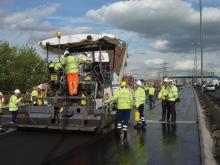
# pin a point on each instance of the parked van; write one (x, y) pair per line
(215, 82)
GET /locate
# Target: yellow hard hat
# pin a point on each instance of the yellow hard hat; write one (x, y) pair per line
(87, 78)
(123, 83)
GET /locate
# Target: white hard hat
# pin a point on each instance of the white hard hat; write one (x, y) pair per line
(45, 102)
(17, 91)
(1, 94)
(40, 86)
(166, 80)
(139, 83)
(66, 52)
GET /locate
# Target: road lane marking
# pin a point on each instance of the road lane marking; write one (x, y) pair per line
(177, 122)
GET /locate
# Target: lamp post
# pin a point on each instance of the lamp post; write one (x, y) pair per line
(201, 43)
(195, 60)
(58, 34)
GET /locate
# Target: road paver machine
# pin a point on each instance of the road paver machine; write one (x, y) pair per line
(97, 80)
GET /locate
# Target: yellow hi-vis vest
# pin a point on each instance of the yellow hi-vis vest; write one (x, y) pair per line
(146, 87)
(139, 96)
(51, 65)
(172, 93)
(57, 66)
(13, 103)
(34, 93)
(123, 97)
(163, 93)
(151, 91)
(72, 62)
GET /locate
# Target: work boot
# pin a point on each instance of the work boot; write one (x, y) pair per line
(125, 134)
(143, 123)
(138, 125)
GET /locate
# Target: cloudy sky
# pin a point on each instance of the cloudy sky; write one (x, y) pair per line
(156, 30)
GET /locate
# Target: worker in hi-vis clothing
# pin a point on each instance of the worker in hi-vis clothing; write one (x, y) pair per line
(163, 96)
(58, 66)
(151, 92)
(13, 105)
(124, 100)
(71, 63)
(34, 95)
(172, 96)
(139, 103)
(2, 101)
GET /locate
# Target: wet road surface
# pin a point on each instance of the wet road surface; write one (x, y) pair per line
(157, 144)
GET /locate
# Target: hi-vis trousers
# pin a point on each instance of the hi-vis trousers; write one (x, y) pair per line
(72, 82)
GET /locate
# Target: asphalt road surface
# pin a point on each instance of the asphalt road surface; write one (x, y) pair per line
(157, 144)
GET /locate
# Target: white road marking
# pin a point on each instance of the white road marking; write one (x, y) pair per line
(177, 122)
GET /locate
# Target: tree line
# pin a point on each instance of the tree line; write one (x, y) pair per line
(20, 67)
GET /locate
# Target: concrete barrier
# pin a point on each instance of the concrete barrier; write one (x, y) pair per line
(206, 142)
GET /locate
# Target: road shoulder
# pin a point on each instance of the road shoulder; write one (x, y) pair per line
(206, 142)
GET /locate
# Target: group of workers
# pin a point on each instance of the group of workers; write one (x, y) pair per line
(168, 95)
(70, 63)
(126, 102)
(16, 100)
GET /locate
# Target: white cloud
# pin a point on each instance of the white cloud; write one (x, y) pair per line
(154, 62)
(184, 65)
(33, 25)
(30, 19)
(173, 21)
(160, 45)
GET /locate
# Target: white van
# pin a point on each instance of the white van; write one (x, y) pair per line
(215, 82)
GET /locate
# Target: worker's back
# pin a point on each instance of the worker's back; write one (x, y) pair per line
(151, 91)
(71, 64)
(139, 96)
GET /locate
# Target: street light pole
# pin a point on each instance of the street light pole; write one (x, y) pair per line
(58, 34)
(195, 60)
(201, 43)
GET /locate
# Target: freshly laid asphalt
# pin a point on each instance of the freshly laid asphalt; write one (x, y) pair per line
(157, 144)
